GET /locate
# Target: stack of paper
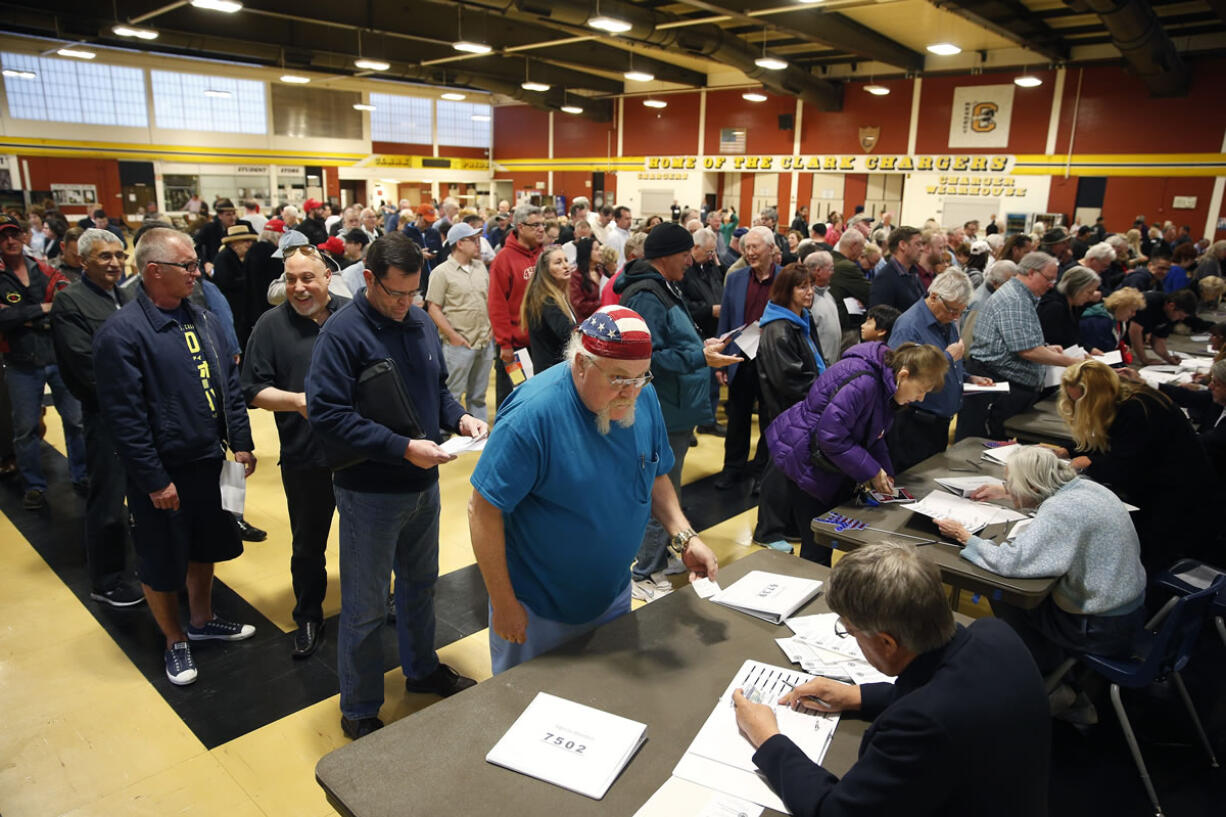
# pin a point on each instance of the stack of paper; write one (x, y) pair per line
(965, 486)
(569, 744)
(973, 516)
(748, 340)
(1001, 453)
(820, 650)
(1163, 373)
(721, 758)
(681, 798)
(460, 444)
(769, 596)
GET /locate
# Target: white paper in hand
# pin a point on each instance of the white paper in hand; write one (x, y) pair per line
(854, 307)
(706, 588)
(461, 444)
(748, 340)
(233, 484)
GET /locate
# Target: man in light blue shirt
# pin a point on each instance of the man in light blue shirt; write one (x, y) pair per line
(922, 429)
(577, 463)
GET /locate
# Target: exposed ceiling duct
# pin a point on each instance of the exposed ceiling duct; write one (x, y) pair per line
(708, 41)
(1137, 32)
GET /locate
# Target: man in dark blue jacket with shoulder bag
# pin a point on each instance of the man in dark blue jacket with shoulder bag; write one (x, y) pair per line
(376, 397)
(170, 394)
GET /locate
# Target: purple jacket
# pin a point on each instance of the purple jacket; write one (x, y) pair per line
(850, 428)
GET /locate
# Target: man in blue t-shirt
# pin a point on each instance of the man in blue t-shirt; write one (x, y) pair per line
(577, 463)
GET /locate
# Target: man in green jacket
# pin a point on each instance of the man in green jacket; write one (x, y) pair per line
(848, 281)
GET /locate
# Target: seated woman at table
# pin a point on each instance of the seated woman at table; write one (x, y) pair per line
(834, 440)
(1080, 532)
(1104, 325)
(1139, 444)
(1061, 307)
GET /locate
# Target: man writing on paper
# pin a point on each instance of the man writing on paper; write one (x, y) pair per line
(577, 463)
(957, 688)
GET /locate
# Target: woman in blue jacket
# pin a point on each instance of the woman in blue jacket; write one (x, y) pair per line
(834, 439)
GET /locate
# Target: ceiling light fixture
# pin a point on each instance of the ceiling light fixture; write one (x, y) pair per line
(133, 31)
(461, 44)
(15, 74)
(372, 65)
(571, 109)
(224, 6)
(76, 53)
(294, 79)
(1027, 81)
(363, 107)
(603, 22)
(944, 49)
(753, 96)
(209, 92)
(877, 90)
(768, 62)
(639, 76)
(529, 85)
(452, 96)
(655, 103)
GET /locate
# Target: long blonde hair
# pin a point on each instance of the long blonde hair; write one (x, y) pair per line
(541, 289)
(1090, 416)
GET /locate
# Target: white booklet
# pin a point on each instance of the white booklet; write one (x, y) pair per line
(1001, 453)
(681, 798)
(973, 516)
(770, 596)
(569, 745)
(721, 758)
(965, 486)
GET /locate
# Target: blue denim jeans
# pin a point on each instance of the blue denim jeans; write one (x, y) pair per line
(379, 534)
(544, 634)
(26, 385)
(653, 551)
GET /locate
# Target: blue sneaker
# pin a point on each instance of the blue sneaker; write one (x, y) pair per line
(221, 630)
(779, 544)
(180, 667)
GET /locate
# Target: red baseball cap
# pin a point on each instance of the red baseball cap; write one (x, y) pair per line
(312, 204)
(333, 245)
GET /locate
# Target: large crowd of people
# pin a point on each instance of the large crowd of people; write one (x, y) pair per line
(613, 339)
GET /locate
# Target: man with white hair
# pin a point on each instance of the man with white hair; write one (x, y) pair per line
(820, 265)
(450, 208)
(746, 293)
(1099, 257)
(391, 223)
(922, 429)
(523, 515)
(848, 281)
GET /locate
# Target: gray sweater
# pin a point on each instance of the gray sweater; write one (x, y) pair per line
(1081, 533)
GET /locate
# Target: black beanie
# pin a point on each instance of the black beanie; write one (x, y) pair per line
(667, 238)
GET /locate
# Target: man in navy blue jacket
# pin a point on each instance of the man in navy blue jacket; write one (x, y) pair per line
(389, 500)
(964, 730)
(898, 284)
(170, 394)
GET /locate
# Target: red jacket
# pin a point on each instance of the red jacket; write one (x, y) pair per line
(509, 276)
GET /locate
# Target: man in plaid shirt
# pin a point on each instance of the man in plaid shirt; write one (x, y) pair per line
(1009, 344)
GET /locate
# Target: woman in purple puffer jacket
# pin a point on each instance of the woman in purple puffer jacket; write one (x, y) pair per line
(834, 440)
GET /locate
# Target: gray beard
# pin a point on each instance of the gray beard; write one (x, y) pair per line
(604, 424)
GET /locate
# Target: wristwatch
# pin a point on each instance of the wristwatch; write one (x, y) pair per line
(680, 540)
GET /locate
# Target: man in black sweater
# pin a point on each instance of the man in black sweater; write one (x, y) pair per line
(76, 315)
(957, 687)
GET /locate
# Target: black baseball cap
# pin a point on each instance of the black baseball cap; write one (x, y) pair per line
(9, 223)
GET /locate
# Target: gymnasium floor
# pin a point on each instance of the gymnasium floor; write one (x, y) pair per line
(92, 726)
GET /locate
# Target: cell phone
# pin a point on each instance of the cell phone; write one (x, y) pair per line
(899, 495)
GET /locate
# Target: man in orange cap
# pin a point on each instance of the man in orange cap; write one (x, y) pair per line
(425, 236)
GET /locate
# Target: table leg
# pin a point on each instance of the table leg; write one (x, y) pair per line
(955, 595)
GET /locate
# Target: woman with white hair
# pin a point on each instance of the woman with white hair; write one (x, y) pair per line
(1061, 308)
(1080, 532)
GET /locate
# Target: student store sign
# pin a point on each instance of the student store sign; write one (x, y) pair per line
(996, 164)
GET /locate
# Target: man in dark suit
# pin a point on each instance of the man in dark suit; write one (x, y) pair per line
(966, 723)
(898, 283)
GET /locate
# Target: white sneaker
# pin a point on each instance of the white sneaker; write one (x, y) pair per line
(675, 567)
(642, 589)
(663, 585)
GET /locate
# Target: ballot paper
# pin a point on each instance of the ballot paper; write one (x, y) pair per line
(1112, 358)
(462, 444)
(1154, 376)
(974, 516)
(769, 596)
(1001, 453)
(965, 486)
(748, 340)
(681, 798)
(997, 386)
(854, 307)
(569, 744)
(1199, 338)
(525, 360)
(1195, 364)
(705, 588)
(720, 757)
(1052, 374)
(823, 651)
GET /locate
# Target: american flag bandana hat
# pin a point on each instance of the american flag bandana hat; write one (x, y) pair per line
(618, 333)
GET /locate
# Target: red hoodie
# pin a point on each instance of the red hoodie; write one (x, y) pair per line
(509, 276)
